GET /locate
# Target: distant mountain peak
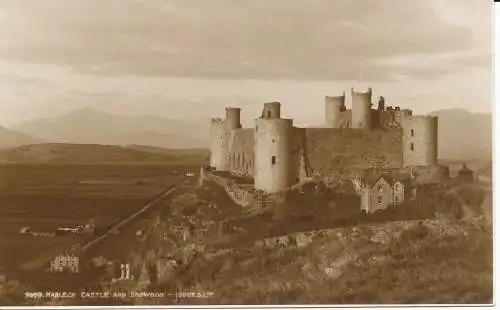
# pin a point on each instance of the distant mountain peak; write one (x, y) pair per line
(93, 126)
(458, 111)
(86, 112)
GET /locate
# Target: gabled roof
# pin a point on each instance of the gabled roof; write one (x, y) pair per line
(391, 178)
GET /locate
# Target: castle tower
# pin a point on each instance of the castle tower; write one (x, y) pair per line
(420, 140)
(381, 103)
(399, 114)
(272, 110)
(361, 109)
(333, 107)
(233, 118)
(274, 162)
(220, 132)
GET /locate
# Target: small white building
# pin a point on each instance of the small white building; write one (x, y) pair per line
(25, 230)
(65, 262)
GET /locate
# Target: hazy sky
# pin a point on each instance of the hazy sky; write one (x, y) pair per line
(193, 57)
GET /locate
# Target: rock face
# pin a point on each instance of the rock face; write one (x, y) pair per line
(302, 240)
(335, 268)
(380, 238)
(283, 241)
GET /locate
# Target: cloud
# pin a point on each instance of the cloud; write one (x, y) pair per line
(310, 39)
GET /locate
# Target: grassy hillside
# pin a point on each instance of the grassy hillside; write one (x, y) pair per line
(316, 248)
(440, 260)
(95, 153)
(443, 259)
(13, 138)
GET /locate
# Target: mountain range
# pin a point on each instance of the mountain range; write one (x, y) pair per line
(462, 134)
(89, 126)
(63, 153)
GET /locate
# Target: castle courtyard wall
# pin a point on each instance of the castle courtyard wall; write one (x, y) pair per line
(241, 151)
(328, 150)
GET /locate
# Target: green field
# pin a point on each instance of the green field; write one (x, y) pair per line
(45, 197)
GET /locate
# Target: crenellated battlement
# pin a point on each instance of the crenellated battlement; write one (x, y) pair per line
(361, 137)
(421, 117)
(364, 93)
(217, 121)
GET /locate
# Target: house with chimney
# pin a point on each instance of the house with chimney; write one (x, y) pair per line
(379, 192)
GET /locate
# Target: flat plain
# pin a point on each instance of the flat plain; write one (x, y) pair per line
(44, 197)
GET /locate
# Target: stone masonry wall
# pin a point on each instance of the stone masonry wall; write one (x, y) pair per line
(241, 151)
(329, 150)
(238, 195)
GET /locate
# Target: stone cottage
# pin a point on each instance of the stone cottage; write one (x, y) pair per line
(383, 191)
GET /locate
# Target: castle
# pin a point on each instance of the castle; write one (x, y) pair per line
(277, 154)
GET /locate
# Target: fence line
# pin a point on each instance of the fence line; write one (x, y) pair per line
(130, 218)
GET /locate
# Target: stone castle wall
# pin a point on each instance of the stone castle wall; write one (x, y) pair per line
(238, 195)
(431, 174)
(276, 162)
(219, 144)
(241, 151)
(361, 109)
(334, 106)
(420, 140)
(329, 150)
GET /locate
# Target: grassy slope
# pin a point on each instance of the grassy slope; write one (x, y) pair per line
(443, 261)
(433, 261)
(95, 153)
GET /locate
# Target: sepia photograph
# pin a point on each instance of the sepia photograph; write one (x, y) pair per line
(246, 152)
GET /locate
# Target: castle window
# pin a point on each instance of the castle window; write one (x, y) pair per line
(380, 188)
(273, 160)
(412, 146)
(380, 199)
(412, 132)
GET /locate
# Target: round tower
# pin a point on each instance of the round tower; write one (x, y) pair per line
(272, 110)
(361, 109)
(233, 118)
(219, 144)
(274, 161)
(420, 140)
(334, 105)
